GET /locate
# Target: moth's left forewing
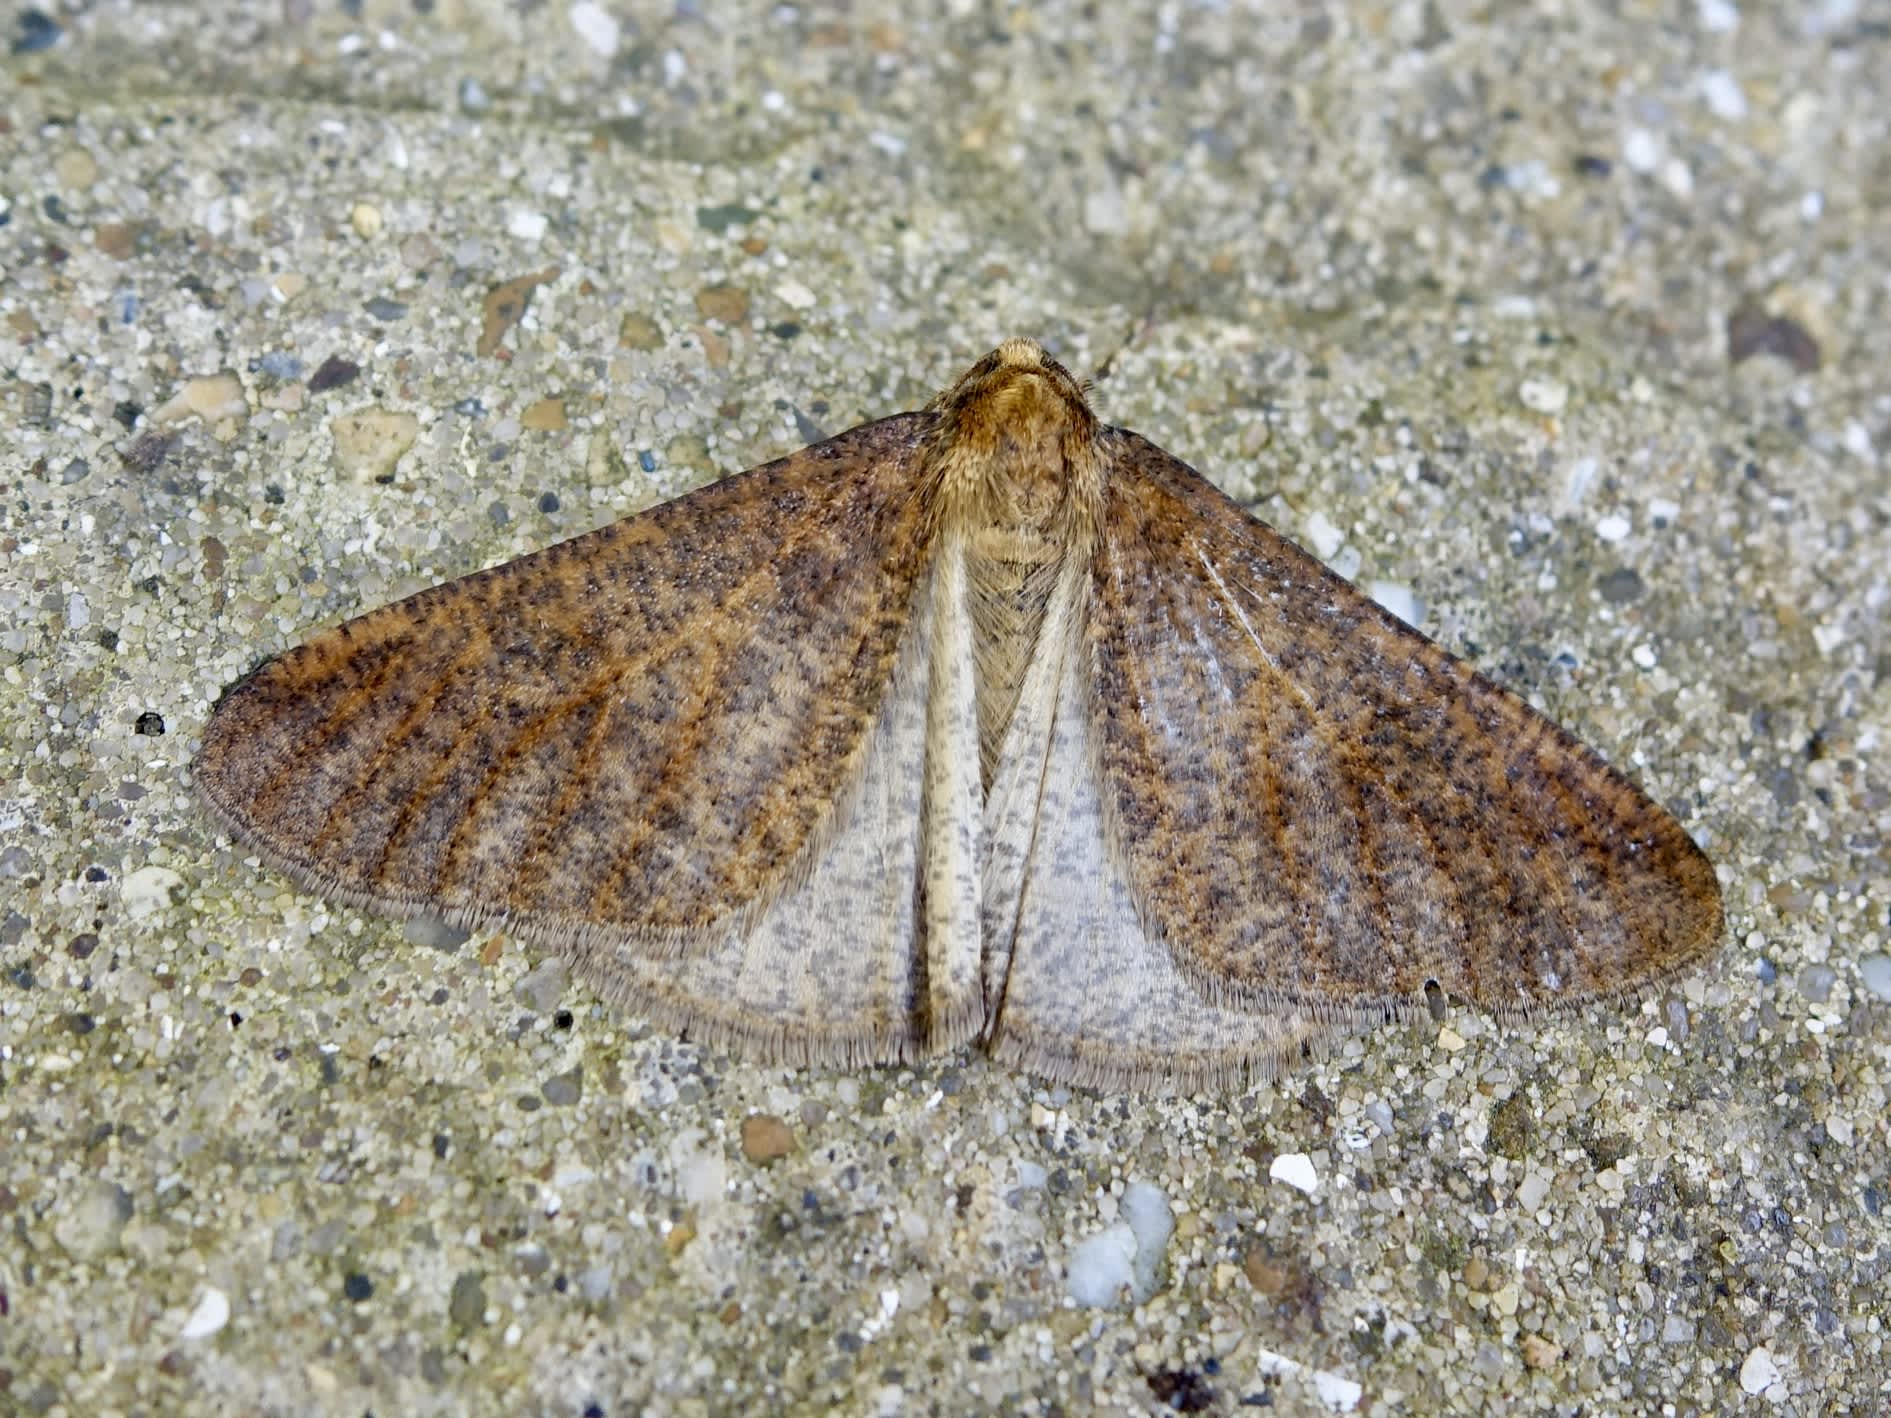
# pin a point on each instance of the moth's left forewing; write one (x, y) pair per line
(1315, 806)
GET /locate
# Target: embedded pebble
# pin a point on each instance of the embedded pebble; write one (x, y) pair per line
(366, 219)
(1103, 1267)
(149, 890)
(1815, 983)
(565, 1089)
(597, 27)
(1613, 528)
(1759, 1372)
(211, 1314)
(434, 933)
(1723, 95)
(97, 1220)
(1875, 972)
(1337, 1392)
(369, 442)
(765, 1139)
(1146, 1210)
(210, 397)
(1296, 1170)
(1641, 150)
(729, 304)
(1540, 1353)
(1398, 598)
(1323, 538)
(526, 224)
(76, 169)
(1534, 1191)
(1123, 1262)
(1105, 213)
(1543, 396)
(466, 1303)
(540, 988)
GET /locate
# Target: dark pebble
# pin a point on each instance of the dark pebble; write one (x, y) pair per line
(720, 219)
(37, 31)
(333, 374)
(1751, 331)
(1622, 585)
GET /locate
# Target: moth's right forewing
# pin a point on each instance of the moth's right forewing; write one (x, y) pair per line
(1317, 806)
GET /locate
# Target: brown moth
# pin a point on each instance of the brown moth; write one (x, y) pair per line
(989, 723)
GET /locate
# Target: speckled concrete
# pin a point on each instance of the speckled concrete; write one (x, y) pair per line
(1574, 333)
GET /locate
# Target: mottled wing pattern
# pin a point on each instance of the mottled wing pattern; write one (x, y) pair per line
(1315, 805)
(1076, 987)
(855, 961)
(632, 739)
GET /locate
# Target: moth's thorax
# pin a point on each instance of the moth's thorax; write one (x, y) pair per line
(1019, 470)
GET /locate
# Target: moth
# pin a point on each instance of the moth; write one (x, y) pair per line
(986, 723)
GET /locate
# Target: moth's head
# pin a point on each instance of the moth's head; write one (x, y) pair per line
(1017, 434)
(1016, 385)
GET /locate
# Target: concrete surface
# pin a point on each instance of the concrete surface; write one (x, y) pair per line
(1568, 327)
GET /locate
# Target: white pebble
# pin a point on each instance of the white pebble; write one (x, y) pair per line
(1643, 655)
(1146, 1210)
(1323, 538)
(149, 890)
(1718, 16)
(795, 295)
(1759, 1372)
(1104, 211)
(1581, 478)
(1296, 1170)
(596, 26)
(1341, 1395)
(1723, 95)
(1875, 971)
(212, 1314)
(1641, 150)
(1124, 1261)
(1103, 1267)
(1398, 598)
(1544, 396)
(526, 224)
(1614, 527)
(1535, 1189)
